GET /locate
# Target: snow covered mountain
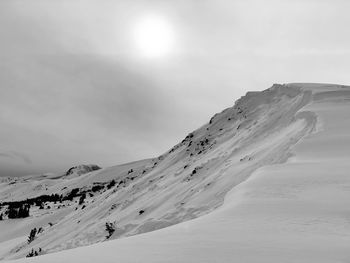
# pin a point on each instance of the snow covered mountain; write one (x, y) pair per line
(278, 158)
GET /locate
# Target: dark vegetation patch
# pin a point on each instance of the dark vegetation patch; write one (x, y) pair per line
(21, 209)
(193, 173)
(111, 184)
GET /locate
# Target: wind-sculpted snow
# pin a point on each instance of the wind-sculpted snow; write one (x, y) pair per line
(190, 180)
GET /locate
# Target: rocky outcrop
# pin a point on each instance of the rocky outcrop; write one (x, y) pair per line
(82, 169)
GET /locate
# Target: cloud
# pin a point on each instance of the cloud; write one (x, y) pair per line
(17, 156)
(73, 90)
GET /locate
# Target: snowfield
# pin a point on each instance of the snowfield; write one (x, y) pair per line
(264, 181)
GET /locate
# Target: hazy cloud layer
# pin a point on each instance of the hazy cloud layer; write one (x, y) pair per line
(73, 89)
(16, 156)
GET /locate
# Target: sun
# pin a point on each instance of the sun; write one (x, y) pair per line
(154, 36)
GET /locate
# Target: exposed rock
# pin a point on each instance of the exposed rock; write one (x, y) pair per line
(82, 169)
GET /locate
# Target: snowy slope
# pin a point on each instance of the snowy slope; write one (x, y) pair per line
(274, 211)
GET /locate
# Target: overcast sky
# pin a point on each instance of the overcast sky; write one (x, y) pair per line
(75, 89)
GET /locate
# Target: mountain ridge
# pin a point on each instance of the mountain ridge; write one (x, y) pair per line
(188, 181)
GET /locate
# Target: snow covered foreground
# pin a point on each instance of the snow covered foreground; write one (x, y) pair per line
(279, 157)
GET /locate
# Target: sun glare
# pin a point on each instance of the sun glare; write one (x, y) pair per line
(153, 36)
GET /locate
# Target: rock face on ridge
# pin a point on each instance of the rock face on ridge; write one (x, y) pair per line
(82, 169)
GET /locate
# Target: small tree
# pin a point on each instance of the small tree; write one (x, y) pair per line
(24, 211)
(110, 228)
(32, 234)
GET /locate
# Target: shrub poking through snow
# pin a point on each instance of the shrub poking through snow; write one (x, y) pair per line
(82, 198)
(34, 253)
(110, 228)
